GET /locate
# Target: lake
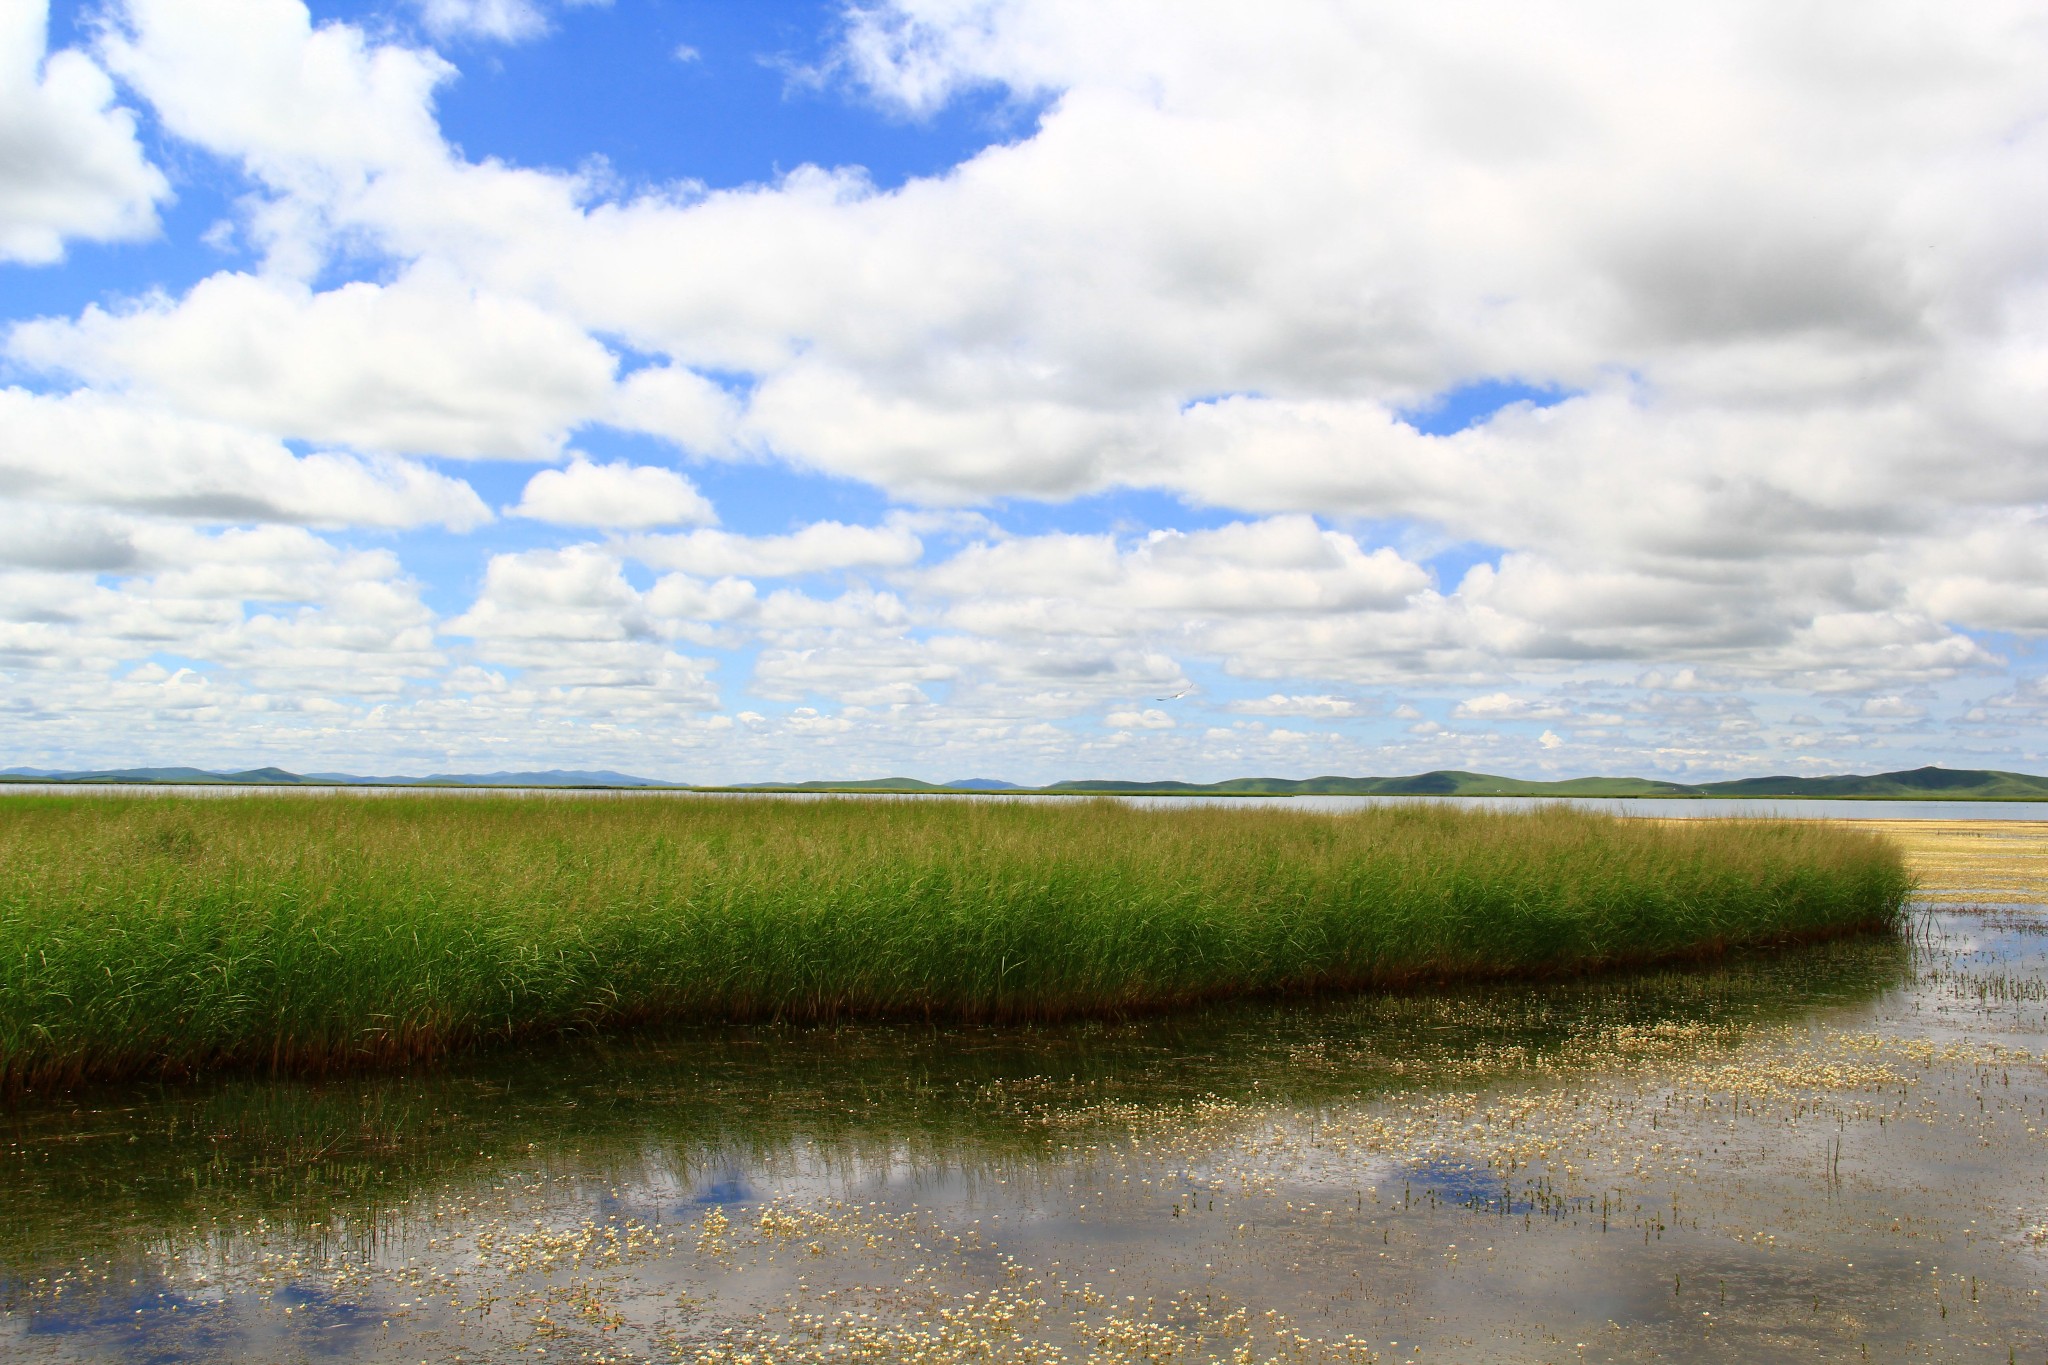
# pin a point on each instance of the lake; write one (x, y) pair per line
(1654, 807)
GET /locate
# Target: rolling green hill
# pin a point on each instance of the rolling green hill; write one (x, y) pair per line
(1443, 783)
(1918, 784)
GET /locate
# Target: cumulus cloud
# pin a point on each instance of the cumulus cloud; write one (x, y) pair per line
(319, 117)
(818, 547)
(278, 609)
(617, 495)
(577, 594)
(1775, 265)
(1800, 371)
(87, 449)
(1316, 705)
(504, 21)
(1041, 320)
(568, 620)
(424, 365)
(1891, 708)
(855, 667)
(1092, 584)
(684, 407)
(38, 535)
(1502, 706)
(257, 79)
(918, 56)
(70, 165)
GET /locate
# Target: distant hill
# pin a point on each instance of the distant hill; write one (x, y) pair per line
(1442, 783)
(885, 784)
(251, 777)
(1920, 783)
(868, 784)
(1950, 784)
(278, 777)
(551, 777)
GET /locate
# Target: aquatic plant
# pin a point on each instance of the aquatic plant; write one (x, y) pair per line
(302, 934)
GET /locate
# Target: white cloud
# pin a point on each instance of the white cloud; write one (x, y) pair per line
(850, 667)
(1501, 706)
(805, 720)
(70, 165)
(918, 56)
(569, 622)
(1036, 322)
(1891, 708)
(1151, 718)
(320, 116)
(1317, 705)
(277, 608)
(1682, 680)
(679, 597)
(617, 495)
(425, 365)
(85, 449)
(1281, 566)
(1782, 258)
(821, 546)
(672, 402)
(504, 21)
(577, 594)
(939, 448)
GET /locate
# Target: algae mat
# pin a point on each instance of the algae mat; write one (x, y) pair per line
(1832, 1153)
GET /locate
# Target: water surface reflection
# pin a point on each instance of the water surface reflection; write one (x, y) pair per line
(1822, 1151)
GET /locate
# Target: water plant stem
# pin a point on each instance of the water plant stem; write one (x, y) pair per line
(301, 934)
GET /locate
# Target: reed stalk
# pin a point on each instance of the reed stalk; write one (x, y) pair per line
(298, 934)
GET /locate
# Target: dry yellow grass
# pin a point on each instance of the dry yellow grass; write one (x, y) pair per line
(1973, 861)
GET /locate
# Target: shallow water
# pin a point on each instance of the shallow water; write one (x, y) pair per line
(1836, 1153)
(1683, 808)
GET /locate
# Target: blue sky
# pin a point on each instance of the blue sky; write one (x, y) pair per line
(732, 392)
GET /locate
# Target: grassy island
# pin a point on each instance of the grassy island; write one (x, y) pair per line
(165, 936)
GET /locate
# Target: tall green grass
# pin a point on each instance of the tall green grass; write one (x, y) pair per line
(300, 934)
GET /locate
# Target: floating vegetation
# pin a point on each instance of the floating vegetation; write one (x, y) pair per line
(168, 936)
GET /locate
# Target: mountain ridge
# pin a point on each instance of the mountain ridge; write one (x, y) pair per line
(279, 777)
(1926, 783)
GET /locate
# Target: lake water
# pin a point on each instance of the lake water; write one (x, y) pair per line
(1658, 808)
(1832, 1153)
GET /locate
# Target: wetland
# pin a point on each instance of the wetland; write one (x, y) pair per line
(296, 935)
(1836, 1151)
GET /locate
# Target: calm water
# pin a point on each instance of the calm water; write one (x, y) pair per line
(1836, 1153)
(1686, 809)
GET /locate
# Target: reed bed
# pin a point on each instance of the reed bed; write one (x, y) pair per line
(301, 934)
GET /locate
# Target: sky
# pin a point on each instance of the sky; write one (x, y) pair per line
(1031, 389)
